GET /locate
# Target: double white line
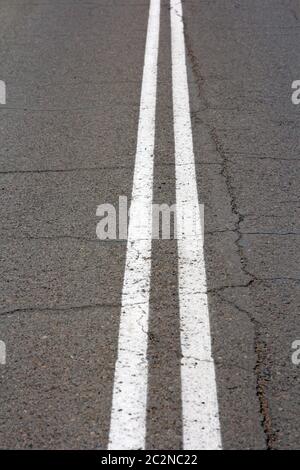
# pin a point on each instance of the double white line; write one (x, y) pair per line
(201, 429)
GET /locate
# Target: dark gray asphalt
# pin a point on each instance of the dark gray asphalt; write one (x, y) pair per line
(73, 71)
(243, 57)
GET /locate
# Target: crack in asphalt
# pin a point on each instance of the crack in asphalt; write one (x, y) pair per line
(65, 237)
(260, 346)
(262, 372)
(66, 308)
(258, 157)
(67, 109)
(67, 170)
(275, 234)
(215, 290)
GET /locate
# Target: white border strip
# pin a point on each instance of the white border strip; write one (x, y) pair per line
(201, 427)
(128, 417)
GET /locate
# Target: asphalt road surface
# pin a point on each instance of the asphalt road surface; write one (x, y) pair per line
(164, 343)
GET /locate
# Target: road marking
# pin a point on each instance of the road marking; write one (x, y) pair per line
(128, 416)
(201, 427)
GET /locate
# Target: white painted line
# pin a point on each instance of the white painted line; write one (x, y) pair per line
(128, 417)
(201, 427)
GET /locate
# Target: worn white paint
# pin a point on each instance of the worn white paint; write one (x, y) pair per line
(201, 427)
(128, 417)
